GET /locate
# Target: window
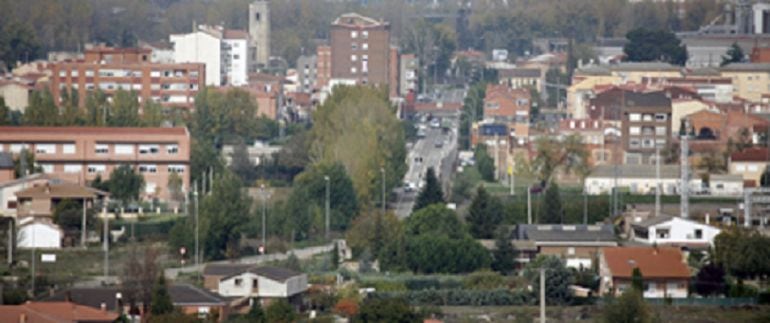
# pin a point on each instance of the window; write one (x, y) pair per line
(72, 168)
(571, 251)
(354, 46)
(647, 117)
(353, 34)
(102, 149)
(255, 283)
(661, 117)
(123, 149)
(698, 234)
(740, 168)
(45, 148)
(236, 56)
(634, 130)
(17, 148)
(365, 46)
(149, 149)
(47, 168)
(365, 58)
(353, 58)
(172, 149)
(353, 70)
(176, 168)
(96, 168)
(635, 117)
(148, 168)
(753, 168)
(660, 131)
(238, 282)
(365, 34)
(634, 143)
(150, 188)
(256, 16)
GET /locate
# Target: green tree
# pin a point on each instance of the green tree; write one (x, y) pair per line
(504, 255)
(557, 279)
(292, 262)
(710, 280)
(485, 214)
(567, 155)
(484, 163)
(18, 43)
(124, 111)
(431, 253)
(24, 164)
(637, 281)
(742, 253)
(372, 230)
(204, 157)
(437, 220)
(161, 299)
(125, 184)
(96, 109)
(386, 310)
(552, 210)
(70, 109)
(431, 193)
(240, 164)
(628, 308)
(152, 114)
(223, 213)
(645, 45)
(357, 127)
(483, 279)
(734, 55)
(256, 313)
(280, 311)
(42, 110)
(68, 214)
(306, 204)
(5, 113)
(175, 189)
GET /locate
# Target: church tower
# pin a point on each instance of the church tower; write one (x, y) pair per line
(259, 32)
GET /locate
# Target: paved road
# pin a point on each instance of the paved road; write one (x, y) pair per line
(304, 253)
(440, 158)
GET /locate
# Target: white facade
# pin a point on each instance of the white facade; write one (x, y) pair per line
(200, 47)
(717, 186)
(249, 284)
(39, 234)
(676, 231)
(235, 61)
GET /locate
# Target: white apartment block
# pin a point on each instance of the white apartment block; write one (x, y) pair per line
(225, 53)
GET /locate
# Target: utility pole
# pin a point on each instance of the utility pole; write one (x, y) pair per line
(585, 206)
(529, 204)
(264, 194)
(497, 158)
(34, 260)
(684, 183)
(657, 180)
(542, 295)
(195, 196)
(384, 206)
(11, 226)
(106, 246)
(326, 178)
(83, 226)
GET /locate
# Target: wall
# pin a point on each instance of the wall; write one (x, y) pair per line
(228, 287)
(681, 231)
(200, 47)
(239, 68)
(751, 171)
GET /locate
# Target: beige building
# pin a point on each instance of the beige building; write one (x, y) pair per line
(360, 50)
(15, 94)
(80, 154)
(749, 163)
(750, 80)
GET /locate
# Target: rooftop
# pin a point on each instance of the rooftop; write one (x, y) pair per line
(225, 269)
(44, 312)
(753, 154)
(653, 262)
(565, 233)
(357, 20)
(275, 273)
(634, 171)
(181, 295)
(60, 190)
(94, 130)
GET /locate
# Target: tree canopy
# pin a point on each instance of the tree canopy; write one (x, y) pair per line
(485, 214)
(386, 310)
(431, 193)
(646, 45)
(357, 127)
(125, 184)
(552, 211)
(557, 279)
(734, 55)
(435, 219)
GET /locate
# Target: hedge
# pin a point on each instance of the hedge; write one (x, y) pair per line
(460, 297)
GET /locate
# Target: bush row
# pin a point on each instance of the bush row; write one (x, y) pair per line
(460, 297)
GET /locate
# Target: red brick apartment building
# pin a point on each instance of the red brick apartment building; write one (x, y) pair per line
(80, 154)
(360, 49)
(110, 69)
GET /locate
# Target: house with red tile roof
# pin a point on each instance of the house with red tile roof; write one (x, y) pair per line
(54, 312)
(664, 271)
(749, 163)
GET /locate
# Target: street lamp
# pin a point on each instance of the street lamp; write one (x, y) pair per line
(195, 196)
(382, 170)
(326, 178)
(264, 194)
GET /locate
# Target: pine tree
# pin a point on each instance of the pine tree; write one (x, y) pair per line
(637, 282)
(552, 211)
(504, 254)
(431, 193)
(335, 255)
(485, 214)
(161, 300)
(256, 313)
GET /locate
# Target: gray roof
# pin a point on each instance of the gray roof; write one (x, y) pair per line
(275, 273)
(225, 269)
(6, 161)
(749, 67)
(520, 72)
(653, 221)
(635, 171)
(186, 294)
(565, 233)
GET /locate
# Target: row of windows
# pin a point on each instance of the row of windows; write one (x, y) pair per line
(364, 34)
(647, 131)
(647, 117)
(101, 168)
(144, 149)
(131, 73)
(42, 149)
(645, 143)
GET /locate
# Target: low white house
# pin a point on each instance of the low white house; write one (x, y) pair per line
(39, 233)
(264, 282)
(671, 230)
(642, 179)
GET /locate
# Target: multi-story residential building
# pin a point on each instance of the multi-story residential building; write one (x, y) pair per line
(80, 154)
(523, 78)
(360, 50)
(601, 138)
(224, 51)
(750, 80)
(324, 66)
(646, 124)
(666, 230)
(408, 74)
(307, 73)
(511, 106)
(110, 69)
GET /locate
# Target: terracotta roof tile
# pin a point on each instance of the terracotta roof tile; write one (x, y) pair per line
(45, 312)
(63, 190)
(95, 130)
(753, 154)
(660, 262)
